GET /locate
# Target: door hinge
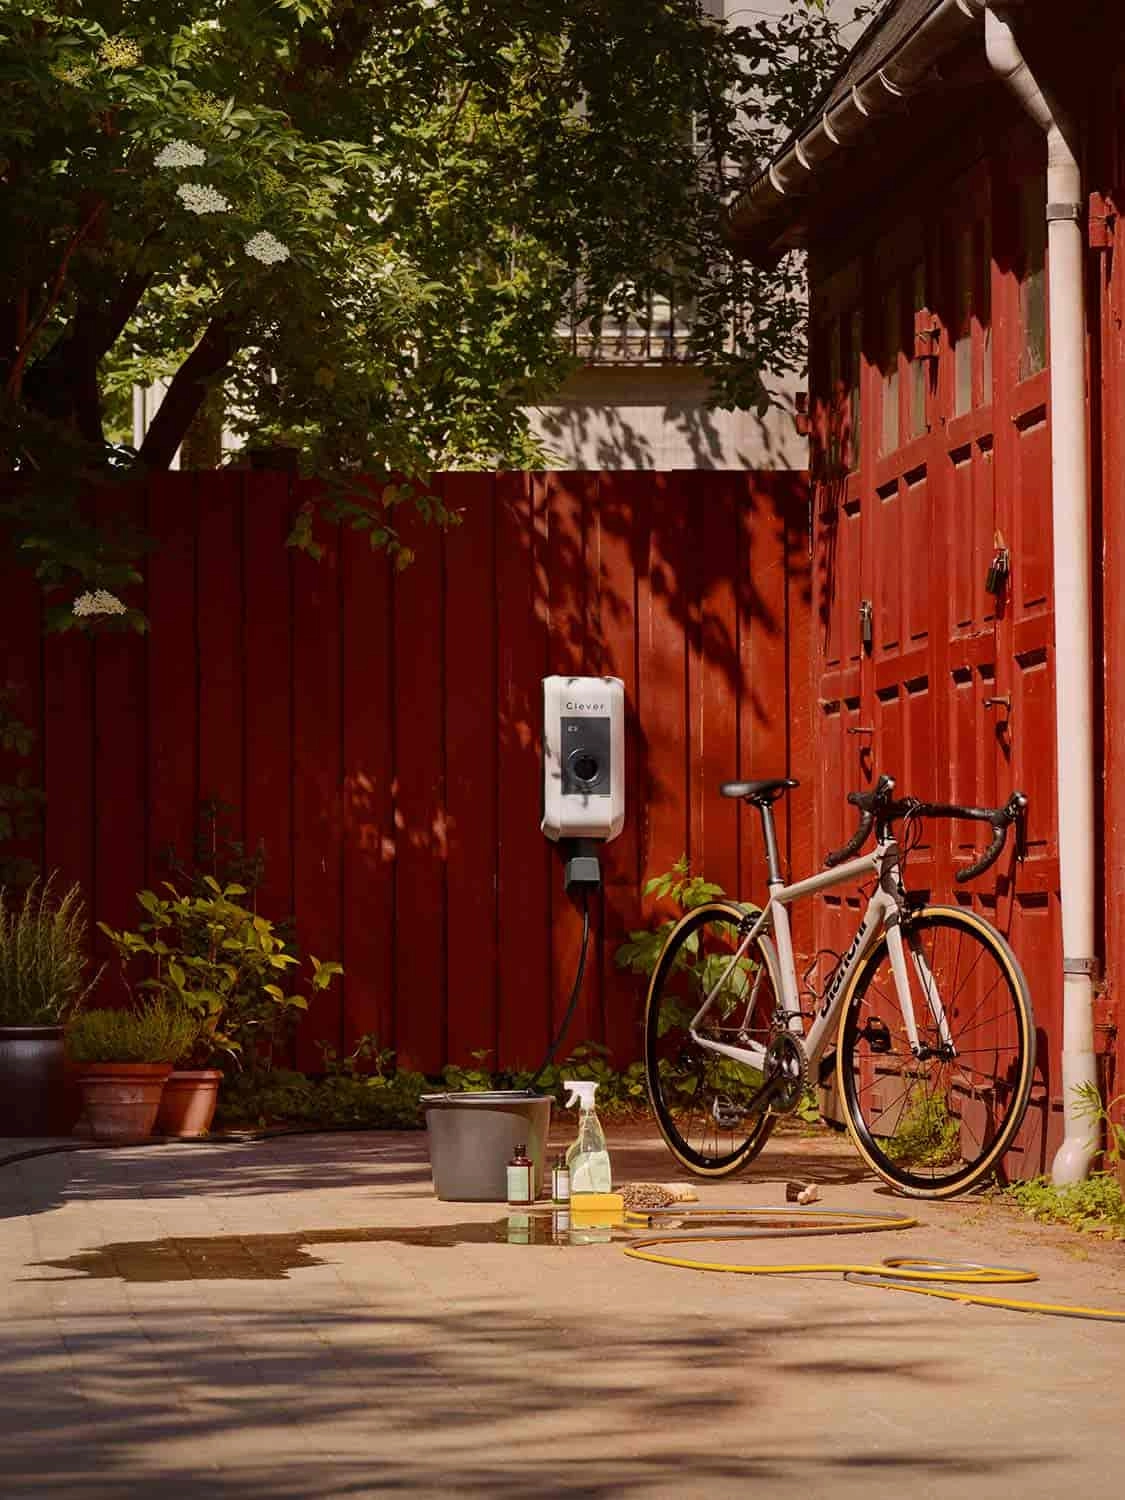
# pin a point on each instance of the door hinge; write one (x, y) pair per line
(927, 334)
(1101, 221)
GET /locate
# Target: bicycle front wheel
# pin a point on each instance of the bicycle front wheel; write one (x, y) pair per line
(935, 1124)
(701, 1098)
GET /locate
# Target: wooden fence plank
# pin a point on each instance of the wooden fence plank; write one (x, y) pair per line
(219, 588)
(721, 686)
(266, 714)
(420, 818)
(663, 611)
(526, 862)
(473, 770)
(21, 681)
(119, 802)
(368, 817)
(173, 666)
(316, 776)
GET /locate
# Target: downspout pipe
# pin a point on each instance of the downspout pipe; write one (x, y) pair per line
(1070, 514)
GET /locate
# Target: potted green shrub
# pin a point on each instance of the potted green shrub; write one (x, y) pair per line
(42, 982)
(207, 954)
(123, 1059)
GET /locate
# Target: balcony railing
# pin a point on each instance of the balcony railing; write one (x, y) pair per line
(655, 332)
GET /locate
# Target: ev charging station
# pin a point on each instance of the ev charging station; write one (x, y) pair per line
(583, 792)
(583, 768)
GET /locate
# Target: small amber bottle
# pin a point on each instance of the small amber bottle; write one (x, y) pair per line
(560, 1181)
(520, 1178)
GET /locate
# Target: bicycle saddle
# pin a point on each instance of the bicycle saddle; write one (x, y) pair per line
(760, 793)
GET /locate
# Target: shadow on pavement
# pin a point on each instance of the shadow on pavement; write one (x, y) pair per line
(481, 1399)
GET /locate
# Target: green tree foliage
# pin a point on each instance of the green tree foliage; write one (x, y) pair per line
(365, 219)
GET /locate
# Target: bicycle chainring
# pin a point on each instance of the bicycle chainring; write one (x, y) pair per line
(787, 1072)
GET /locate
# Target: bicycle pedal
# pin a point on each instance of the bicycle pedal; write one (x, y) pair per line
(826, 1068)
(727, 1119)
(877, 1035)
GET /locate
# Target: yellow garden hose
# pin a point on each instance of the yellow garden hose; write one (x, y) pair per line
(900, 1274)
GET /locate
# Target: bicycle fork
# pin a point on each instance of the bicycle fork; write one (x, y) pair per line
(896, 947)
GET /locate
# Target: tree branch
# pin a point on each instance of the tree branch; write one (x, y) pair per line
(15, 374)
(188, 391)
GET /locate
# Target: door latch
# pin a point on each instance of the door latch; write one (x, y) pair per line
(999, 568)
(866, 623)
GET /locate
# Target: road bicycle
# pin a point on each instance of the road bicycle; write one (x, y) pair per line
(928, 1006)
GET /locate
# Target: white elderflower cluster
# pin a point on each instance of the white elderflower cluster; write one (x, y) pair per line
(267, 248)
(179, 153)
(100, 602)
(119, 52)
(202, 200)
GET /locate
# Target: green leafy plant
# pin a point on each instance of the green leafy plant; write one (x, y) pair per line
(42, 955)
(620, 1094)
(640, 953)
(362, 1088)
(217, 959)
(476, 1080)
(156, 1032)
(928, 1135)
(1093, 1206)
(1090, 1107)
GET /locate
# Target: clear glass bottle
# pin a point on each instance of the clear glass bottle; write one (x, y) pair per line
(588, 1158)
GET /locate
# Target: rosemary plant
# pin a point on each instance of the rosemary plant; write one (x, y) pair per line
(42, 955)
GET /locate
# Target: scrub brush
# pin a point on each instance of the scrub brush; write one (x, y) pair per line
(640, 1195)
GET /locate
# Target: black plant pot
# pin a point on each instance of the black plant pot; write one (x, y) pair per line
(31, 1080)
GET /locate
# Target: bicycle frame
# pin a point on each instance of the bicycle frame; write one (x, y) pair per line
(883, 914)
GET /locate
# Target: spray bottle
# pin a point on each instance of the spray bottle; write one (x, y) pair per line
(588, 1157)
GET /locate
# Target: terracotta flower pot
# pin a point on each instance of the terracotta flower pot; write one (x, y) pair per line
(187, 1105)
(121, 1099)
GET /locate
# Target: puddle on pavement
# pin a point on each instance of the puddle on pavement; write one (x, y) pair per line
(270, 1257)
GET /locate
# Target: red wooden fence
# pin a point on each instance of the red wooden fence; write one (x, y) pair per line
(379, 731)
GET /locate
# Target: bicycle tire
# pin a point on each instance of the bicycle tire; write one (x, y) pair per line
(672, 1058)
(935, 1127)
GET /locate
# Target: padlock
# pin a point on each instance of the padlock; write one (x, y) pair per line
(998, 571)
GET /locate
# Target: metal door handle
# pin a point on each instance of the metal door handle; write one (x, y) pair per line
(866, 623)
(1002, 700)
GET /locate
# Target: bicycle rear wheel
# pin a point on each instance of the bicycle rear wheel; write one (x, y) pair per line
(937, 1124)
(699, 1097)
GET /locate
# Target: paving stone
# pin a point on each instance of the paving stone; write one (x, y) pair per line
(336, 1366)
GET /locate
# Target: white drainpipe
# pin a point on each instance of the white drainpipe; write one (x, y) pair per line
(1070, 512)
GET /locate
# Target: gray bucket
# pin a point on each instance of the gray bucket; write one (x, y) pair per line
(472, 1137)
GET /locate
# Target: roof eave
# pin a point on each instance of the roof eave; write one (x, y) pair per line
(767, 219)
